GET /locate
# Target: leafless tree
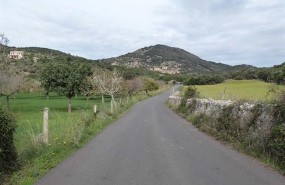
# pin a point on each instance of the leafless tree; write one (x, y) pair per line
(32, 85)
(109, 83)
(135, 85)
(99, 82)
(4, 41)
(9, 85)
(10, 81)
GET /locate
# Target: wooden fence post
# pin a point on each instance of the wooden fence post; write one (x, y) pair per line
(112, 106)
(95, 109)
(45, 131)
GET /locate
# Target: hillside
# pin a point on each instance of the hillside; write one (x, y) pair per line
(34, 57)
(166, 59)
(38, 52)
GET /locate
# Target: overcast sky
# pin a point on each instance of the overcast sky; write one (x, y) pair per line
(227, 31)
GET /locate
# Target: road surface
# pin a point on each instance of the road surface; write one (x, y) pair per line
(151, 145)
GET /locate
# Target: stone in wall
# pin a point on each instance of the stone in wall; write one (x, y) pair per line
(175, 99)
(208, 106)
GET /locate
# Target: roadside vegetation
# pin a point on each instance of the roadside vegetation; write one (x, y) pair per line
(256, 128)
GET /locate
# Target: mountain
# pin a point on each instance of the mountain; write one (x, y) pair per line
(166, 59)
(159, 58)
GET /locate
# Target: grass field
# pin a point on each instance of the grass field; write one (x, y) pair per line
(237, 89)
(28, 109)
(66, 130)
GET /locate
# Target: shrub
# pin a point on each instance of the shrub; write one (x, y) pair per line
(190, 92)
(150, 85)
(228, 125)
(276, 144)
(8, 155)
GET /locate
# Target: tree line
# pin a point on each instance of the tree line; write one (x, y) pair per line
(275, 74)
(70, 78)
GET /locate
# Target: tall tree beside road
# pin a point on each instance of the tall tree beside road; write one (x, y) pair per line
(99, 82)
(9, 85)
(65, 78)
(135, 85)
(4, 41)
(10, 80)
(110, 83)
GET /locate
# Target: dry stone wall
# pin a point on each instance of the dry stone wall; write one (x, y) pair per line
(258, 128)
(243, 113)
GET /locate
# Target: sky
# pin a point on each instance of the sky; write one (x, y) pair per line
(227, 31)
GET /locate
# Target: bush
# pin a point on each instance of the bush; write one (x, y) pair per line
(190, 92)
(276, 144)
(8, 154)
(150, 85)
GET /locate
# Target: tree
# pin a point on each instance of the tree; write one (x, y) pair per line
(10, 81)
(65, 79)
(46, 79)
(88, 88)
(9, 85)
(135, 85)
(4, 41)
(150, 85)
(109, 82)
(263, 74)
(99, 82)
(190, 92)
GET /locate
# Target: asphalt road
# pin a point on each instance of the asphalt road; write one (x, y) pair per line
(151, 145)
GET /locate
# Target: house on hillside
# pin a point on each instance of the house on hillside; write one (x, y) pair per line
(16, 54)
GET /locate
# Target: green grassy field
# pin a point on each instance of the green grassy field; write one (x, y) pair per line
(66, 130)
(237, 89)
(28, 109)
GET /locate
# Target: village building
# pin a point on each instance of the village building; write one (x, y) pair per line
(16, 54)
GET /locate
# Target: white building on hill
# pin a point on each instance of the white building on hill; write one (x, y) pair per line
(16, 54)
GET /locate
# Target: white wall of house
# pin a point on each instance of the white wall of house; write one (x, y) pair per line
(16, 54)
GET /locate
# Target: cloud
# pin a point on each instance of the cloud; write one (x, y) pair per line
(234, 32)
(228, 31)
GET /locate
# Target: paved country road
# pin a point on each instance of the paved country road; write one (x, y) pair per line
(151, 145)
